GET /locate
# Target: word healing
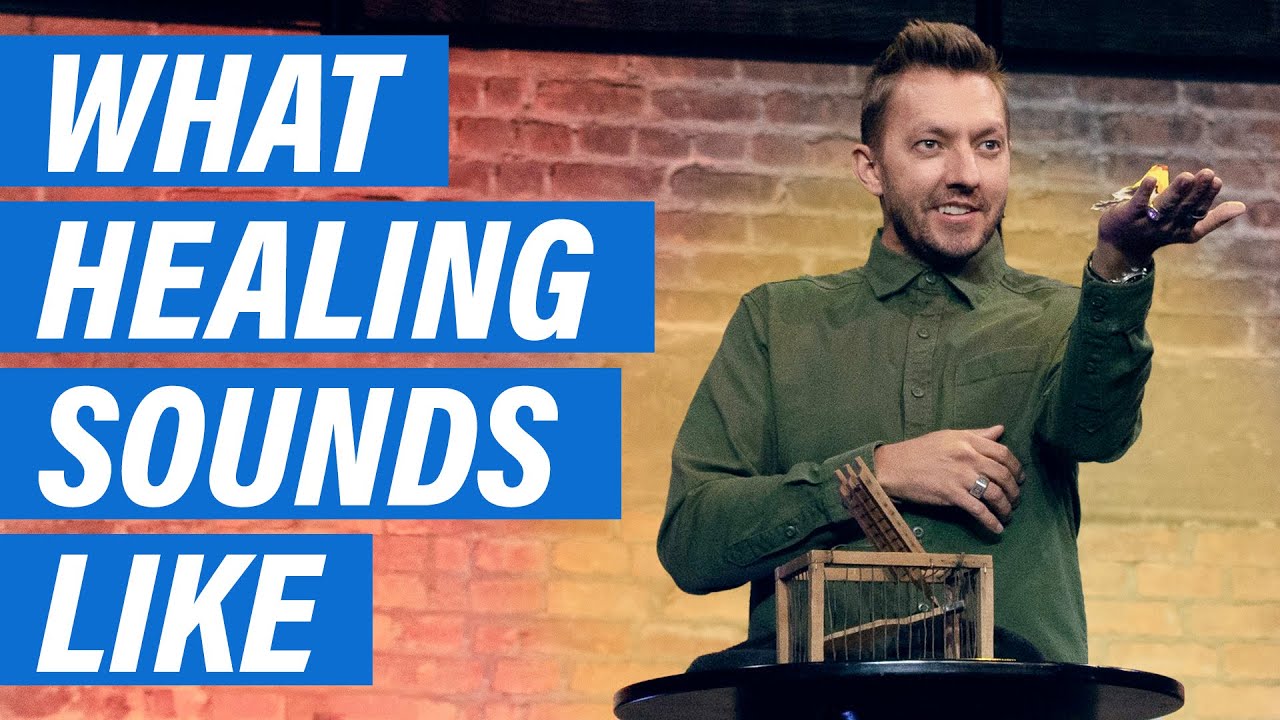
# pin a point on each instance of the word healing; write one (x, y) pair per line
(314, 443)
(227, 110)
(268, 276)
(187, 609)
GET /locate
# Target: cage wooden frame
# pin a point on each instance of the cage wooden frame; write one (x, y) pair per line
(838, 565)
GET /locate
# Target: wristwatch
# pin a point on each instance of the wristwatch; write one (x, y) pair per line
(1130, 275)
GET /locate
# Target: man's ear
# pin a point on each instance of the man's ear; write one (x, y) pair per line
(867, 168)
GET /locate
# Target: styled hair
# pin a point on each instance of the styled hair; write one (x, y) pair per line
(924, 44)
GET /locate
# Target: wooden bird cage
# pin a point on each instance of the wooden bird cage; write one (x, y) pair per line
(899, 604)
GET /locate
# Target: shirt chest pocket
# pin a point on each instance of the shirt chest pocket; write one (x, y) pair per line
(996, 387)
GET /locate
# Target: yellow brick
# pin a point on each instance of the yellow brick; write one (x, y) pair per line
(1114, 617)
(1174, 659)
(1234, 621)
(1198, 332)
(1255, 583)
(1260, 662)
(1105, 579)
(566, 598)
(571, 711)
(1236, 702)
(1119, 543)
(685, 641)
(590, 558)
(645, 564)
(604, 679)
(717, 607)
(1194, 581)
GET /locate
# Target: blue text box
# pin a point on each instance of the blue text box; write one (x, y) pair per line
(607, 247)
(564, 433)
(329, 79)
(338, 636)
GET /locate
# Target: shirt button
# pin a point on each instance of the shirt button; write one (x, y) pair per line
(917, 392)
(919, 531)
(791, 531)
(930, 278)
(922, 333)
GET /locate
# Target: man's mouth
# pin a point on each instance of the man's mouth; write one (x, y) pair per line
(956, 210)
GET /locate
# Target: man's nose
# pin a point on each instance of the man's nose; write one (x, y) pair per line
(962, 168)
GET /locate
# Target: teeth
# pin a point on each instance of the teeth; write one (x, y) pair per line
(953, 210)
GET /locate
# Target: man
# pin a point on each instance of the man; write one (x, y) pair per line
(970, 388)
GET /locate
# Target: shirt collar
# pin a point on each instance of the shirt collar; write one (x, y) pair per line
(889, 272)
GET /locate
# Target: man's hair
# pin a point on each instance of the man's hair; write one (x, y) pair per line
(923, 44)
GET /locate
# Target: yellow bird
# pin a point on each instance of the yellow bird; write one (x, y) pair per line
(1159, 172)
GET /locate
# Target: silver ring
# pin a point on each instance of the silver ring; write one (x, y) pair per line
(1153, 213)
(980, 486)
(1199, 217)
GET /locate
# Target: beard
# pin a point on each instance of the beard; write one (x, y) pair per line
(949, 250)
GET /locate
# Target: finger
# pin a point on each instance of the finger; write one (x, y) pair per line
(1217, 217)
(1001, 478)
(1178, 189)
(1003, 455)
(1142, 196)
(998, 501)
(1199, 196)
(979, 511)
(992, 433)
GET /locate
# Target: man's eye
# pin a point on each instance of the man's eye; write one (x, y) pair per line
(992, 145)
(928, 144)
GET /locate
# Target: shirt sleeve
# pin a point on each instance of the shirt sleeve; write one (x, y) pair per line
(733, 516)
(1093, 402)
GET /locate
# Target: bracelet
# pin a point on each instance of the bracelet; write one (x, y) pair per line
(1131, 275)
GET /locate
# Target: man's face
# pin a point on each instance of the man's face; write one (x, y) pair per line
(942, 165)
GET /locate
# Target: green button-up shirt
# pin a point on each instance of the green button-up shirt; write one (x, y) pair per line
(814, 371)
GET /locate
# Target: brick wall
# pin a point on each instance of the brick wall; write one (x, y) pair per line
(747, 162)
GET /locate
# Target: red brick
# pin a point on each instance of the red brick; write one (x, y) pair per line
(577, 181)
(1031, 124)
(430, 634)
(527, 677)
(789, 230)
(695, 182)
(15, 24)
(798, 73)
(662, 143)
(700, 228)
(464, 92)
(450, 676)
(511, 557)
(545, 138)
(110, 194)
(486, 136)
(503, 93)
(703, 105)
(1251, 96)
(444, 592)
(34, 702)
(1244, 135)
(827, 194)
(595, 98)
(720, 146)
(19, 193)
(494, 711)
(1040, 87)
(1125, 90)
(606, 140)
(809, 109)
(237, 705)
(451, 555)
(401, 553)
(89, 26)
(1264, 214)
(1151, 130)
(507, 597)
(519, 179)
(778, 150)
(399, 590)
(678, 67)
(578, 637)
(570, 711)
(469, 177)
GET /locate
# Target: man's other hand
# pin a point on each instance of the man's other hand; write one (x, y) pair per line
(943, 467)
(1130, 232)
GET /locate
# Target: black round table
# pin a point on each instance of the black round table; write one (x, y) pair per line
(904, 690)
